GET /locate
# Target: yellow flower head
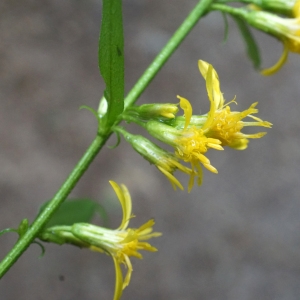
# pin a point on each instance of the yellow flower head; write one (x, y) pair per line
(220, 127)
(193, 143)
(222, 123)
(189, 144)
(191, 147)
(120, 243)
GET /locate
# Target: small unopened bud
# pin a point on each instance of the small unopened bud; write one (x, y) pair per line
(156, 110)
(284, 7)
(166, 162)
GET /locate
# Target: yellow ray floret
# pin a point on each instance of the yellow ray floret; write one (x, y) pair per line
(188, 110)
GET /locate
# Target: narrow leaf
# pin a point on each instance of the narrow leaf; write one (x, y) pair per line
(111, 58)
(225, 27)
(75, 211)
(251, 46)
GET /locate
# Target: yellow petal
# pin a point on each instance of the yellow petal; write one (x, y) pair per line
(188, 110)
(119, 280)
(296, 9)
(128, 204)
(191, 182)
(211, 168)
(203, 66)
(213, 87)
(129, 272)
(209, 83)
(213, 106)
(125, 200)
(174, 181)
(215, 146)
(279, 64)
(202, 158)
(144, 229)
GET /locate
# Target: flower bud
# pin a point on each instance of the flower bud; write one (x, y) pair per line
(153, 111)
(288, 8)
(166, 162)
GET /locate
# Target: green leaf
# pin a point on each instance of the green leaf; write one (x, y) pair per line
(23, 227)
(225, 27)
(251, 46)
(75, 211)
(111, 58)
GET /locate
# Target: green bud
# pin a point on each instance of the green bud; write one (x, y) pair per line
(165, 161)
(156, 110)
(285, 7)
(150, 151)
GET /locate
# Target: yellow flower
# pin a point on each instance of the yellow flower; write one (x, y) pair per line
(120, 243)
(222, 123)
(190, 145)
(220, 127)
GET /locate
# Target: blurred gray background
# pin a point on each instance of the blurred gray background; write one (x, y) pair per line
(237, 237)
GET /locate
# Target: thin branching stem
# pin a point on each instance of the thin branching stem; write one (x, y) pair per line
(25, 240)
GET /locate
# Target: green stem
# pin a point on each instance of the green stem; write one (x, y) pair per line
(238, 12)
(187, 25)
(130, 118)
(24, 242)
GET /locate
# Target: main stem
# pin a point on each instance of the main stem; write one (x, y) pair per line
(24, 242)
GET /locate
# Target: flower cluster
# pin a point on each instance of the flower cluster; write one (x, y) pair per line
(192, 136)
